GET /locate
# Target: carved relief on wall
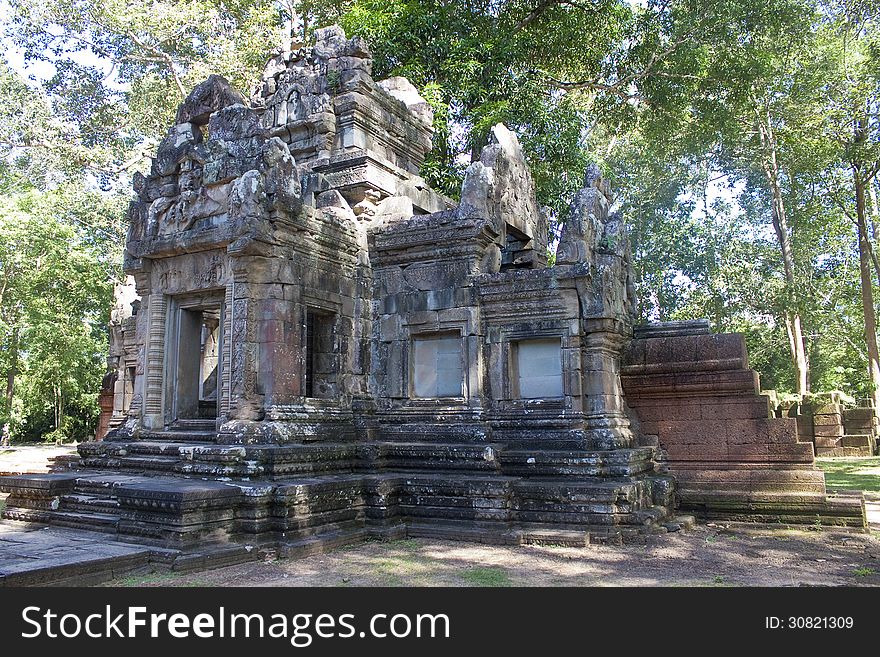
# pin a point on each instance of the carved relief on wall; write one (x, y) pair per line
(193, 202)
(191, 272)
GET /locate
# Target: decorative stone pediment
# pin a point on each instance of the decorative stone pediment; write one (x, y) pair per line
(213, 94)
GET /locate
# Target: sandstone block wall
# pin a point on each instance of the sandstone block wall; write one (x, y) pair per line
(730, 457)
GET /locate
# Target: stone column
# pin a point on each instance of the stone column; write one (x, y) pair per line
(246, 396)
(605, 421)
(224, 390)
(149, 384)
(157, 307)
(279, 324)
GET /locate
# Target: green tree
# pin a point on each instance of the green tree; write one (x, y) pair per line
(56, 291)
(852, 124)
(122, 68)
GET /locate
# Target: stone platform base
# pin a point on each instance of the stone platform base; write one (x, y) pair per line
(177, 512)
(182, 494)
(767, 496)
(34, 555)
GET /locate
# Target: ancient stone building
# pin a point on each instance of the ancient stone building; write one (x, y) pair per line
(323, 347)
(835, 425)
(117, 388)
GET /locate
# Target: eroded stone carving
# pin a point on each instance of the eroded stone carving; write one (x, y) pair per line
(208, 97)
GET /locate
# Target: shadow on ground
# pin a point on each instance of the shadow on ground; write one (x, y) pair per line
(703, 556)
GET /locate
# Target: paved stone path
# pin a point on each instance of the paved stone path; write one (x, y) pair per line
(30, 458)
(32, 555)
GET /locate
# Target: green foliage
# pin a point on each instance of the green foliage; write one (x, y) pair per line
(481, 63)
(851, 473)
(53, 307)
(777, 64)
(60, 248)
(121, 68)
(864, 572)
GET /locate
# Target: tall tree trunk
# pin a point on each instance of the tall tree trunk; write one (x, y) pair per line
(793, 323)
(867, 285)
(872, 225)
(57, 390)
(13, 371)
(875, 209)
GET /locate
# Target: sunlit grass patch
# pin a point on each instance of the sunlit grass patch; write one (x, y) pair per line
(851, 473)
(481, 576)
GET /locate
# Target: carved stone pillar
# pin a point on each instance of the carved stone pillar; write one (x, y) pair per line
(157, 307)
(605, 421)
(246, 402)
(224, 396)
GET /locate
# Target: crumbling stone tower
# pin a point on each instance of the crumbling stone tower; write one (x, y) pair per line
(327, 348)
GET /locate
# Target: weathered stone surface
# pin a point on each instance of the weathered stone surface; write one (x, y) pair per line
(730, 457)
(404, 91)
(179, 142)
(213, 94)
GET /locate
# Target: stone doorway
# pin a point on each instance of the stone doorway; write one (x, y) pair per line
(194, 362)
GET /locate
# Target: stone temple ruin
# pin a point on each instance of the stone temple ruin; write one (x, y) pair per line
(323, 348)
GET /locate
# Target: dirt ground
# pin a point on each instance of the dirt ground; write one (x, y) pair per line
(706, 555)
(19, 459)
(713, 555)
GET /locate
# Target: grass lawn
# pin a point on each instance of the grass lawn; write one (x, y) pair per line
(851, 473)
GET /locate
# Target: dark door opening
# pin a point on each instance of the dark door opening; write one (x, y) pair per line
(320, 350)
(196, 384)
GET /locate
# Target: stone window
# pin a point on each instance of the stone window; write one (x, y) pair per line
(437, 367)
(537, 368)
(320, 361)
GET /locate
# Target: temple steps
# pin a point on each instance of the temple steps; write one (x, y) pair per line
(175, 510)
(197, 425)
(135, 463)
(64, 462)
(99, 485)
(212, 459)
(157, 448)
(623, 462)
(296, 459)
(452, 457)
(88, 503)
(199, 431)
(74, 519)
(180, 435)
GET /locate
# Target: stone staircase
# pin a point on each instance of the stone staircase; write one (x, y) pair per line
(199, 431)
(732, 458)
(88, 504)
